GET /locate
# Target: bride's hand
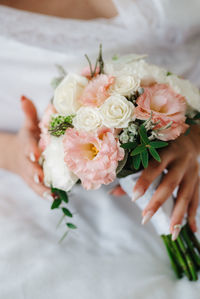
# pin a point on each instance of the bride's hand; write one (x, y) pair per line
(25, 151)
(180, 159)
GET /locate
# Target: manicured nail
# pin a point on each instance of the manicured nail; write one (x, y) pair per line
(48, 196)
(147, 217)
(36, 178)
(137, 194)
(176, 231)
(32, 157)
(23, 98)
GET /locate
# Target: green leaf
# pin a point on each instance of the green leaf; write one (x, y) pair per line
(67, 212)
(190, 121)
(154, 154)
(197, 116)
(129, 145)
(63, 196)
(187, 132)
(143, 134)
(122, 163)
(56, 203)
(136, 162)
(158, 144)
(71, 225)
(145, 158)
(139, 149)
(169, 74)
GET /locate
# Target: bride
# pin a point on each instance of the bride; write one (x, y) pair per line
(111, 256)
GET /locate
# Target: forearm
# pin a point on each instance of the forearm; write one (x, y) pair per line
(6, 150)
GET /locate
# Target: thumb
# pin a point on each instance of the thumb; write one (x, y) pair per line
(30, 112)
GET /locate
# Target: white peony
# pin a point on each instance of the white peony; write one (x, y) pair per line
(67, 94)
(56, 172)
(87, 119)
(125, 85)
(117, 112)
(186, 89)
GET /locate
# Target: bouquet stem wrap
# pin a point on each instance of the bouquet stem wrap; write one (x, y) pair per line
(184, 253)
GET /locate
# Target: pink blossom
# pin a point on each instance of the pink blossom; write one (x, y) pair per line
(96, 92)
(44, 126)
(93, 157)
(166, 107)
(86, 72)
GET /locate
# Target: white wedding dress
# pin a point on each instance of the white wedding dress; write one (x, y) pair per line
(110, 256)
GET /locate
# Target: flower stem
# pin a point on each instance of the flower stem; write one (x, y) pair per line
(194, 240)
(185, 236)
(188, 259)
(175, 266)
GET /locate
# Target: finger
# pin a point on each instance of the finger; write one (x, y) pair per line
(150, 174)
(40, 189)
(32, 150)
(117, 191)
(193, 206)
(170, 181)
(31, 119)
(184, 195)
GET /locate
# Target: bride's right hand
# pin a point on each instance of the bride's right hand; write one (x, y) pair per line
(25, 151)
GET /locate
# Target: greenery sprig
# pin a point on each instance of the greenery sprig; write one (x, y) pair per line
(57, 80)
(60, 202)
(59, 124)
(99, 62)
(140, 150)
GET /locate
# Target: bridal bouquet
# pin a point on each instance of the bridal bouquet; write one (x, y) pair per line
(107, 121)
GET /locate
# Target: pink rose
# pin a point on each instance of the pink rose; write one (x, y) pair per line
(44, 127)
(87, 73)
(166, 106)
(96, 92)
(93, 157)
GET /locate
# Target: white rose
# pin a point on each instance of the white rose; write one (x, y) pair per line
(67, 93)
(87, 119)
(125, 85)
(186, 89)
(117, 112)
(56, 172)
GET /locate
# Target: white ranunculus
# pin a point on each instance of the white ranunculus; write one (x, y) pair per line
(56, 172)
(117, 112)
(87, 119)
(125, 85)
(67, 94)
(186, 89)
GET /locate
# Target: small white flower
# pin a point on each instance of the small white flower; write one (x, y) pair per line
(125, 85)
(117, 112)
(67, 94)
(87, 119)
(56, 172)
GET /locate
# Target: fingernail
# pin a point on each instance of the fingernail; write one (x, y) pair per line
(32, 157)
(137, 194)
(48, 196)
(147, 217)
(23, 98)
(176, 231)
(36, 178)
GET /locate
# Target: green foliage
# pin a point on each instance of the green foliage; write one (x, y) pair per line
(59, 124)
(145, 158)
(60, 201)
(99, 63)
(169, 74)
(154, 154)
(136, 161)
(129, 145)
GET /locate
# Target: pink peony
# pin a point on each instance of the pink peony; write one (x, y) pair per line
(93, 157)
(87, 73)
(96, 92)
(166, 106)
(44, 126)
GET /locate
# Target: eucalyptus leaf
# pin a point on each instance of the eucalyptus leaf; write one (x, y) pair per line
(139, 149)
(71, 225)
(122, 163)
(145, 158)
(158, 144)
(136, 162)
(67, 212)
(63, 196)
(129, 145)
(56, 203)
(154, 154)
(143, 134)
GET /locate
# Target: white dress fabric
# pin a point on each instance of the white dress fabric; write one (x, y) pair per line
(110, 256)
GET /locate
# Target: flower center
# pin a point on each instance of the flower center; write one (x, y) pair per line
(94, 150)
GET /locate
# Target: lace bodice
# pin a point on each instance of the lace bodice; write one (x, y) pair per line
(31, 44)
